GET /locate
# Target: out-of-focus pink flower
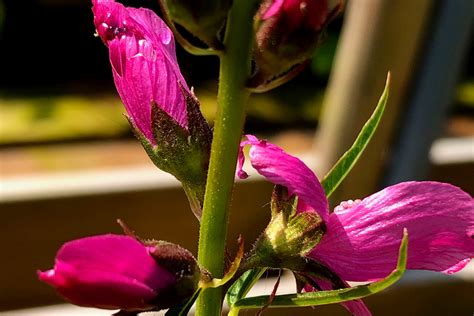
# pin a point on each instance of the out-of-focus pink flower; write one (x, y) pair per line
(144, 66)
(295, 14)
(108, 271)
(363, 237)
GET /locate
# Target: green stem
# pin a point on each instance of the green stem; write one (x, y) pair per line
(234, 311)
(231, 98)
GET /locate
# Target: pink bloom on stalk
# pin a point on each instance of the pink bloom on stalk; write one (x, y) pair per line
(310, 14)
(108, 271)
(143, 58)
(363, 236)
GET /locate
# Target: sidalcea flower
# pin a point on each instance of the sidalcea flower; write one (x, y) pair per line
(144, 64)
(361, 238)
(287, 32)
(119, 272)
(163, 112)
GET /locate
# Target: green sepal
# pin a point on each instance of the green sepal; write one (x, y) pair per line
(280, 202)
(199, 130)
(182, 264)
(289, 233)
(287, 239)
(182, 152)
(344, 165)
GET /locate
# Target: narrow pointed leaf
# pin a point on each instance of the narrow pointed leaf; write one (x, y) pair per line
(344, 165)
(242, 286)
(183, 309)
(330, 297)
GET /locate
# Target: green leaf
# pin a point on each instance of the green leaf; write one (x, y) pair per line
(344, 165)
(214, 283)
(183, 309)
(330, 297)
(242, 286)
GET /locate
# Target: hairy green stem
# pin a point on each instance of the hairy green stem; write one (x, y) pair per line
(231, 98)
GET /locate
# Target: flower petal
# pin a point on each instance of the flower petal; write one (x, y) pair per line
(102, 289)
(144, 64)
(108, 271)
(363, 237)
(273, 9)
(166, 73)
(281, 168)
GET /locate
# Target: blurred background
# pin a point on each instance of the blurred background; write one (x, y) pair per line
(70, 166)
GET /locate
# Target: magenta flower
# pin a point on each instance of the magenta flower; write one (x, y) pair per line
(300, 13)
(144, 66)
(108, 271)
(287, 32)
(363, 236)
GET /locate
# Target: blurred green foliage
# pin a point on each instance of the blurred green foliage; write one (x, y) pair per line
(61, 118)
(25, 120)
(465, 94)
(322, 59)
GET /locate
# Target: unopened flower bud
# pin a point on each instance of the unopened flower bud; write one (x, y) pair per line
(203, 19)
(290, 234)
(120, 272)
(287, 33)
(162, 110)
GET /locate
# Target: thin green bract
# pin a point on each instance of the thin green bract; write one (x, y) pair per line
(344, 165)
(242, 286)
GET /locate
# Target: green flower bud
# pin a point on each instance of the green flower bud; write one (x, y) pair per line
(203, 18)
(289, 236)
(287, 33)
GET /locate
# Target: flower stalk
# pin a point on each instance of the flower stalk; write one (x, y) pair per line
(232, 97)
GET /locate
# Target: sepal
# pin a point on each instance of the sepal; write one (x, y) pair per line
(287, 33)
(182, 152)
(289, 235)
(182, 264)
(281, 203)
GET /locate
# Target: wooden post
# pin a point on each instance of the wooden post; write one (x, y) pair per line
(378, 36)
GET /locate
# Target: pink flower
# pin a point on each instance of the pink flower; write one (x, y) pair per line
(143, 59)
(108, 271)
(287, 32)
(363, 236)
(310, 14)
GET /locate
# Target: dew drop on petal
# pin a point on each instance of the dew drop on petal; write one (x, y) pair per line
(346, 205)
(166, 37)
